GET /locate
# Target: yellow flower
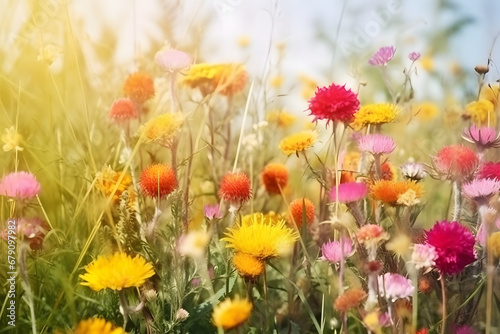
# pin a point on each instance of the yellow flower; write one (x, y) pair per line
(351, 161)
(107, 179)
(425, 111)
(372, 322)
(281, 118)
(243, 41)
(481, 112)
(427, 63)
(272, 216)
(309, 86)
(116, 272)
(491, 93)
(194, 243)
(390, 192)
(277, 81)
(261, 238)
(408, 198)
(163, 129)
(494, 244)
(12, 139)
(248, 267)
(97, 326)
(399, 244)
(375, 114)
(228, 79)
(298, 142)
(230, 314)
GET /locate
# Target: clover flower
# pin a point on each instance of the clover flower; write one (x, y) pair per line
(376, 144)
(235, 188)
(334, 104)
(424, 256)
(382, 56)
(394, 286)
(122, 110)
(456, 161)
(19, 185)
(332, 250)
(158, 181)
(489, 170)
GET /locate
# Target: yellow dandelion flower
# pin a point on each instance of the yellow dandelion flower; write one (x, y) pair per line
(389, 191)
(491, 93)
(163, 129)
(271, 216)
(372, 322)
(298, 142)
(248, 266)
(280, 118)
(425, 111)
(12, 140)
(375, 114)
(230, 314)
(277, 81)
(261, 238)
(228, 79)
(107, 180)
(116, 272)
(97, 326)
(427, 63)
(481, 112)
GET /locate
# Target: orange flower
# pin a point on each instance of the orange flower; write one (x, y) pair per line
(122, 109)
(390, 191)
(158, 181)
(350, 299)
(274, 177)
(296, 211)
(139, 87)
(235, 187)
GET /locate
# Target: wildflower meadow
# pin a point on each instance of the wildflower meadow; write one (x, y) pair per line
(228, 166)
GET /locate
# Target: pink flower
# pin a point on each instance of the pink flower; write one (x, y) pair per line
(376, 144)
(483, 138)
(173, 60)
(490, 170)
(19, 185)
(456, 161)
(481, 190)
(349, 192)
(331, 250)
(382, 56)
(394, 286)
(423, 256)
(334, 103)
(414, 56)
(454, 245)
(212, 211)
(33, 231)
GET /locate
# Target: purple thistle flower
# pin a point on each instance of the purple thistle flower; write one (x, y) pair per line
(382, 56)
(483, 137)
(414, 56)
(212, 211)
(481, 190)
(349, 192)
(376, 144)
(331, 250)
(394, 286)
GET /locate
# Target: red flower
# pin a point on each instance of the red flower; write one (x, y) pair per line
(296, 211)
(490, 170)
(454, 244)
(123, 109)
(334, 103)
(158, 181)
(274, 177)
(235, 187)
(456, 161)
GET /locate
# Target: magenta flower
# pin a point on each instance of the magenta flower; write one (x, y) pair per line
(334, 104)
(33, 231)
(331, 250)
(394, 286)
(413, 171)
(19, 185)
(483, 138)
(376, 144)
(349, 192)
(173, 60)
(490, 170)
(382, 56)
(481, 190)
(454, 245)
(212, 211)
(414, 56)
(424, 256)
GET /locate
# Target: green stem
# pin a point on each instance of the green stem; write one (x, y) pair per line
(443, 306)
